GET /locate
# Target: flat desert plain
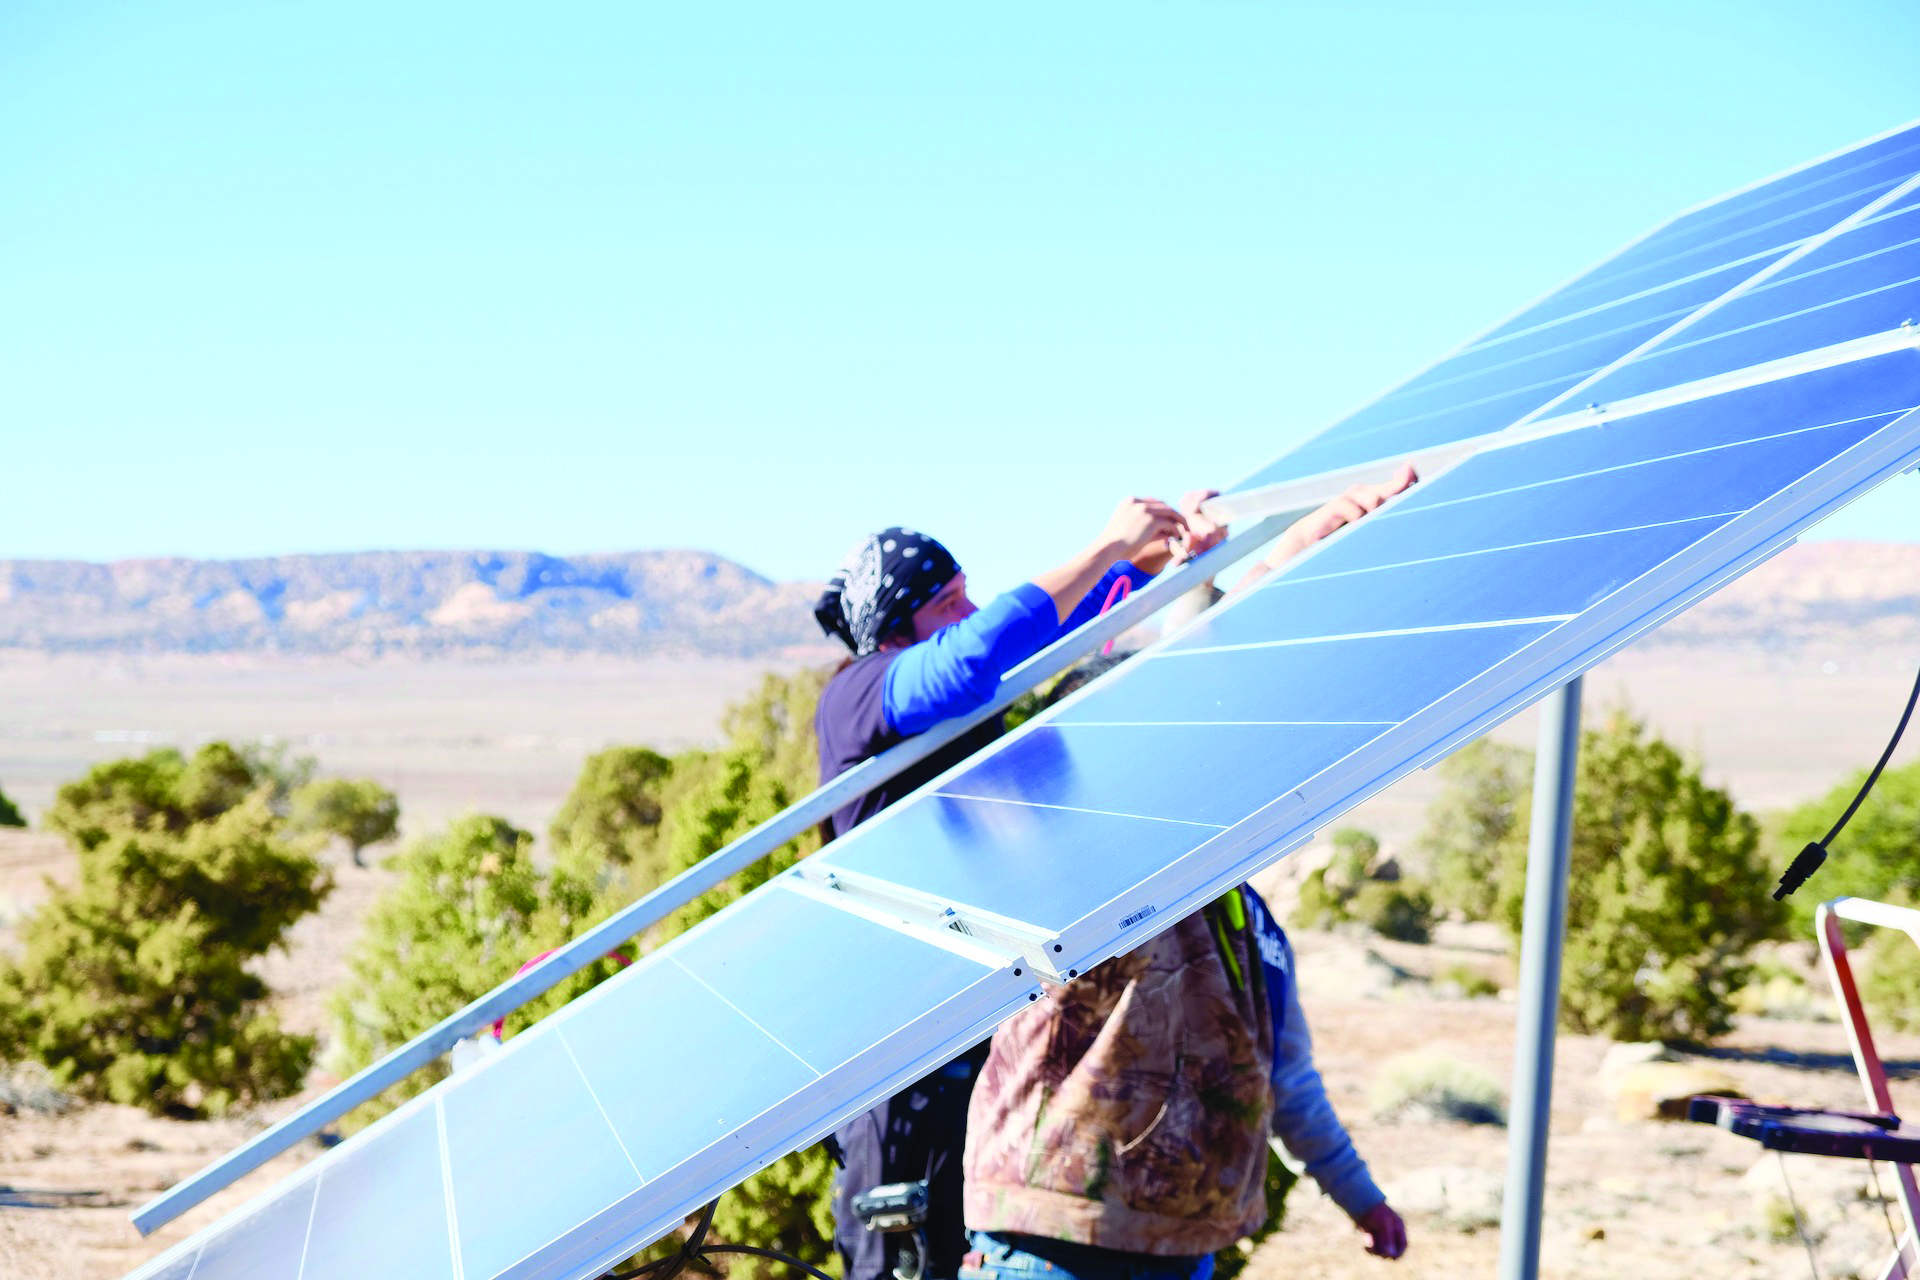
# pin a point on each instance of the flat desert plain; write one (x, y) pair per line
(1624, 1196)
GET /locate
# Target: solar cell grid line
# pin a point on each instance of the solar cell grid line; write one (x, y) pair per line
(1405, 628)
(1827, 330)
(1863, 282)
(1525, 366)
(601, 1127)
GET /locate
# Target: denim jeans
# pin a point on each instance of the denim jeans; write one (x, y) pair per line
(1015, 1257)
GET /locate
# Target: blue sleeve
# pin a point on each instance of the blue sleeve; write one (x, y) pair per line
(1089, 607)
(960, 667)
(1303, 1118)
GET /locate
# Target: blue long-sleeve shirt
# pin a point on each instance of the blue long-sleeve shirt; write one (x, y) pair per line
(960, 667)
(1303, 1117)
(876, 701)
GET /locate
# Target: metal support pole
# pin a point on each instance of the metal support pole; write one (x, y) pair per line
(1544, 930)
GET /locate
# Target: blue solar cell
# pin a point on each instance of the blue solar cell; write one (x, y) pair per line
(772, 965)
(1529, 361)
(1489, 586)
(1138, 769)
(1588, 341)
(1381, 678)
(633, 1043)
(1691, 488)
(531, 1155)
(1877, 389)
(1863, 283)
(266, 1244)
(1013, 860)
(382, 1206)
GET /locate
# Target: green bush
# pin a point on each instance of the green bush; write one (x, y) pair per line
(1667, 895)
(1346, 889)
(1484, 787)
(1394, 911)
(10, 815)
(358, 811)
(1877, 855)
(134, 984)
(1890, 980)
(613, 813)
(1425, 1085)
(468, 910)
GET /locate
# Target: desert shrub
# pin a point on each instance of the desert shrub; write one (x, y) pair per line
(28, 1088)
(1470, 823)
(134, 984)
(1425, 1085)
(1356, 886)
(468, 910)
(1890, 980)
(160, 791)
(275, 767)
(1877, 855)
(358, 811)
(1467, 980)
(9, 814)
(1396, 911)
(1667, 896)
(613, 813)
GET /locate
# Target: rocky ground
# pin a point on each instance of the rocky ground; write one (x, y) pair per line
(1625, 1195)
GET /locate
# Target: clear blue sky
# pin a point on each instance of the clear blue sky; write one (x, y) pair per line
(618, 275)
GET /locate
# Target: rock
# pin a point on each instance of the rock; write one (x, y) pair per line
(1659, 1090)
(1463, 1198)
(1627, 1055)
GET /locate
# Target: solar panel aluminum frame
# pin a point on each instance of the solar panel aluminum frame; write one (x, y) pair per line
(1292, 820)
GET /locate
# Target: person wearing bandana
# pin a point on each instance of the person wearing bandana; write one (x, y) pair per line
(922, 652)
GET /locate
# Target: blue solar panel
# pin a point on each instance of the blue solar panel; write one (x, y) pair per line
(1379, 628)
(396, 1223)
(573, 1144)
(1863, 282)
(1862, 390)
(1580, 330)
(1153, 790)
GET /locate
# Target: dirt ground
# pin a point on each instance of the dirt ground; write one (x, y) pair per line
(1648, 1199)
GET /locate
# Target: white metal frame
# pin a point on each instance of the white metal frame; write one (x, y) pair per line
(1866, 1059)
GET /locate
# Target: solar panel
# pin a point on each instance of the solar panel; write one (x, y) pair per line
(1576, 332)
(656, 1089)
(1221, 748)
(1402, 635)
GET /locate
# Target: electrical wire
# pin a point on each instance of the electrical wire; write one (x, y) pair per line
(1808, 860)
(696, 1249)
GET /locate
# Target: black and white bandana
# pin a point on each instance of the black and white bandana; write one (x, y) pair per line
(883, 580)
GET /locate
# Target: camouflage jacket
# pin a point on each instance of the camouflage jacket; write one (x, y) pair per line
(1131, 1109)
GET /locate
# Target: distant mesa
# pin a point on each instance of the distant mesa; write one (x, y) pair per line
(646, 603)
(421, 602)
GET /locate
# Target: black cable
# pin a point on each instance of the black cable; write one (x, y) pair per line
(696, 1249)
(1808, 860)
